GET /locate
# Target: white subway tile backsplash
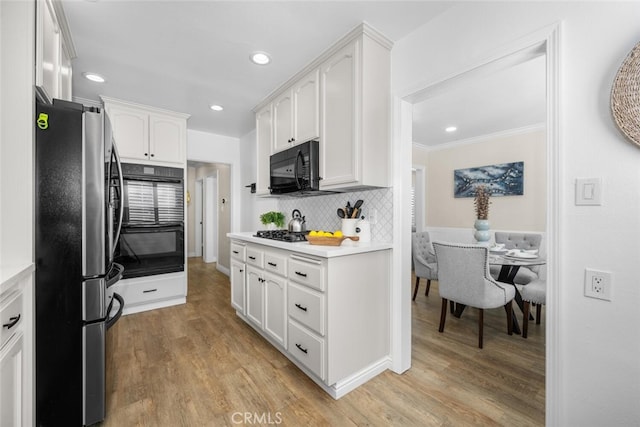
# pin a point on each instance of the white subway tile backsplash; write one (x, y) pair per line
(320, 211)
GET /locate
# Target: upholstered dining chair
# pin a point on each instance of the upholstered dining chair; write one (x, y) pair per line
(463, 277)
(534, 292)
(525, 241)
(424, 261)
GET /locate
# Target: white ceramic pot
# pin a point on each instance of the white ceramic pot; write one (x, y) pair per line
(363, 230)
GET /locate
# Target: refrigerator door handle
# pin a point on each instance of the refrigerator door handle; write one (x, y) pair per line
(120, 201)
(111, 321)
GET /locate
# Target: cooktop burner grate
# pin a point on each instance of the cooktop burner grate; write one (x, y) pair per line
(282, 235)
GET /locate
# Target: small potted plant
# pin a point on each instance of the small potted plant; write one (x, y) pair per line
(275, 218)
(481, 202)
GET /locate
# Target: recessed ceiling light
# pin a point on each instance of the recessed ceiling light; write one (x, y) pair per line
(260, 58)
(94, 77)
(451, 129)
(216, 107)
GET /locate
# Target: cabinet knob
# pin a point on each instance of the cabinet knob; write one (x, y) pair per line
(152, 155)
(146, 154)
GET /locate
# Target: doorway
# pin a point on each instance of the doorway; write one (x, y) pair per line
(198, 223)
(544, 42)
(210, 228)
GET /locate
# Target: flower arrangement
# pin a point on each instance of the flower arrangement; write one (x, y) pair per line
(276, 218)
(481, 202)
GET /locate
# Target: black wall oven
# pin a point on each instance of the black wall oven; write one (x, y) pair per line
(152, 237)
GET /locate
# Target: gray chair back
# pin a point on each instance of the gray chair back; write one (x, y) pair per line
(463, 276)
(526, 241)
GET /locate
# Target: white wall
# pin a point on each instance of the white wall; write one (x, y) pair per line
(523, 212)
(599, 342)
(212, 148)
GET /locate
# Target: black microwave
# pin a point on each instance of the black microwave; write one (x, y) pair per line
(295, 171)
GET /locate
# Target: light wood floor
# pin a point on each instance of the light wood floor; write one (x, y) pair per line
(199, 365)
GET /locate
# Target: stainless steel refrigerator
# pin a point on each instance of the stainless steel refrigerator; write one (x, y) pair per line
(78, 217)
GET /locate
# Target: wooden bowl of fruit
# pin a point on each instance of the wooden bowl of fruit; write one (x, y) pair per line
(327, 238)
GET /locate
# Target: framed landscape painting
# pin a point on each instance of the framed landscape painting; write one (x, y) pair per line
(506, 179)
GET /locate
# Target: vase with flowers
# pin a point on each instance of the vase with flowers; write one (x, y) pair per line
(481, 202)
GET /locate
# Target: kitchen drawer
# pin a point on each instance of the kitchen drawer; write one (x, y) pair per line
(307, 348)
(306, 271)
(11, 316)
(144, 291)
(255, 257)
(275, 263)
(307, 307)
(238, 251)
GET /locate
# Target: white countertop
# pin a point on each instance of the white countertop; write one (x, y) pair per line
(347, 248)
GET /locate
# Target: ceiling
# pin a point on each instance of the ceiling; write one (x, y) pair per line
(185, 55)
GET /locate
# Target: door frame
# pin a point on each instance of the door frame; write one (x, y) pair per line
(199, 220)
(210, 219)
(548, 39)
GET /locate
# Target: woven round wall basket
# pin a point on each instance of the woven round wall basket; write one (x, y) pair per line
(625, 96)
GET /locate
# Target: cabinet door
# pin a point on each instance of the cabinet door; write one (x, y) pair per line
(339, 125)
(166, 139)
(11, 383)
(131, 132)
(48, 49)
(275, 319)
(264, 140)
(255, 296)
(306, 108)
(283, 121)
(66, 73)
(237, 285)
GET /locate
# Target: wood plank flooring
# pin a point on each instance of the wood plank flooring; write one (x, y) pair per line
(198, 364)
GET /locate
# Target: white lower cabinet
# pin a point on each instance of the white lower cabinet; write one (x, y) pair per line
(275, 313)
(255, 295)
(16, 350)
(330, 316)
(237, 285)
(151, 292)
(266, 292)
(12, 366)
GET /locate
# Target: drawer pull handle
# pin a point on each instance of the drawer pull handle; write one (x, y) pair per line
(272, 264)
(252, 257)
(149, 290)
(301, 274)
(302, 349)
(236, 252)
(12, 322)
(301, 307)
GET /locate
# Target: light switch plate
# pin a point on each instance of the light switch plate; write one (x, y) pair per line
(588, 192)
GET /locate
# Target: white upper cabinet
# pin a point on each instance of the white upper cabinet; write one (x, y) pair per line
(146, 134)
(296, 113)
(338, 159)
(54, 51)
(343, 100)
(306, 97)
(356, 100)
(264, 148)
(283, 121)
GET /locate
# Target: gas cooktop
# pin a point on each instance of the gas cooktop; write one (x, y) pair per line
(282, 235)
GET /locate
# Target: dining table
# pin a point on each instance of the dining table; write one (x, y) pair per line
(510, 262)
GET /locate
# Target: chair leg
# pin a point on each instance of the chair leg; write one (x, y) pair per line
(538, 313)
(480, 326)
(509, 309)
(452, 307)
(443, 315)
(525, 319)
(428, 287)
(415, 291)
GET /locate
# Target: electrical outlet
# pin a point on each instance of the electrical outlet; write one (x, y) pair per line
(598, 284)
(373, 216)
